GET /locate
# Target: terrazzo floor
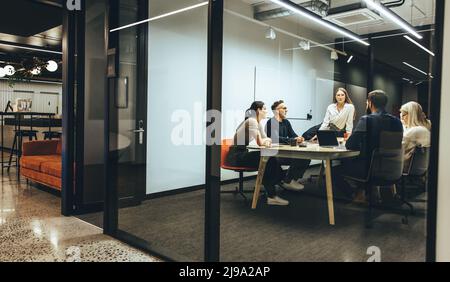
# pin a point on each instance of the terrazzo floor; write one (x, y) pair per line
(33, 230)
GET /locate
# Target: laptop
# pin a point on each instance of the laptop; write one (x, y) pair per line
(327, 138)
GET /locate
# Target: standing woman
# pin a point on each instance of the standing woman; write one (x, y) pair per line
(250, 130)
(340, 114)
(417, 131)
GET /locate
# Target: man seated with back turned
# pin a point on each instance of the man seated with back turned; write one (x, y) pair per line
(365, 138)
(279, 129)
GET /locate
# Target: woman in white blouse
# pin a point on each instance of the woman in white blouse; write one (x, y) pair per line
(416, 129)
(340, 114)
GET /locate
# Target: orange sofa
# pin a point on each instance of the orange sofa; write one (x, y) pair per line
(41, 162)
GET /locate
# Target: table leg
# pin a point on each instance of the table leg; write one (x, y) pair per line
(329, 192)
(320, 180)
(262, 167)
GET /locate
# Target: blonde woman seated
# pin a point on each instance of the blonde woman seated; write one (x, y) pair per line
(340, 114)
(417, 129)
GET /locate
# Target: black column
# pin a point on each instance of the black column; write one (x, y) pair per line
(110, 218)
(80, 104)
(68, 95)
(214, 102)
(435, 116)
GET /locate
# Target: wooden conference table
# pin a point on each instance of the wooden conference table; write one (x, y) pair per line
(311, 152)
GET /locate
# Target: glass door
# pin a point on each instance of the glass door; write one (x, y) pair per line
(157, 66)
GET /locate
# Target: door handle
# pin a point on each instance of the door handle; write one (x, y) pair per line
(141, 131)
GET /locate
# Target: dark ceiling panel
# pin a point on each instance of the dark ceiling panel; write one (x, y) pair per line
(27, 18)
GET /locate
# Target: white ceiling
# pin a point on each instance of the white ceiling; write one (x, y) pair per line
(416, 12)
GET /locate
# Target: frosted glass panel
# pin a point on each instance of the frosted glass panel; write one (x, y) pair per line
(176, 89)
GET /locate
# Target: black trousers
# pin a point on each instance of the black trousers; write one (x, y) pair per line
(297, 168)
(357, 168)
(272, 175)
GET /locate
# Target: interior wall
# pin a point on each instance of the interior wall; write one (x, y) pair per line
(443, 208)
(410, 93)
(353, 75)
(393, 89)
(46, 96)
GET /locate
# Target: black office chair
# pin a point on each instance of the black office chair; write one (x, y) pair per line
(385, 169)
(417, 169)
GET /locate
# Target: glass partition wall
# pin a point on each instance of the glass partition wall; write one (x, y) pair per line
(272, 52)
(157, 81)
(156, 112)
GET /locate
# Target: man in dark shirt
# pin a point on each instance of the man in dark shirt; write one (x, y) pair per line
(279, 129)
(365, 138)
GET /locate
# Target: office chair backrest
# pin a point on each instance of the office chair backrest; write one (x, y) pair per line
(387, 161)
(225, 149)
(390, 140)
(419, 161)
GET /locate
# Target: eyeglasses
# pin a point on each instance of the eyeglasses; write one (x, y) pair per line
(284, 108)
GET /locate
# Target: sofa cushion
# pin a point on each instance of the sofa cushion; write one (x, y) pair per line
(41, 148)
(45, 179)
(59, 147)
(52, 168)
(35, 162)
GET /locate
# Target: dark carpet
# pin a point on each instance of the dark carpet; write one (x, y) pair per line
(298, 232)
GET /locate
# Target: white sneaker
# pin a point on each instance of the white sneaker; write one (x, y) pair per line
(277, 201)
(293, 186)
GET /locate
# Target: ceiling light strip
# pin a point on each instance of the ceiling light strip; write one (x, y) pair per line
(414, 68)
(418, 44)
(31, 49)
(305, 13)
(161, 16)
(375, 37)
(393, 17)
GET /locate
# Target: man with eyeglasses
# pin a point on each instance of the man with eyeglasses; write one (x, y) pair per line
(280, 130)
